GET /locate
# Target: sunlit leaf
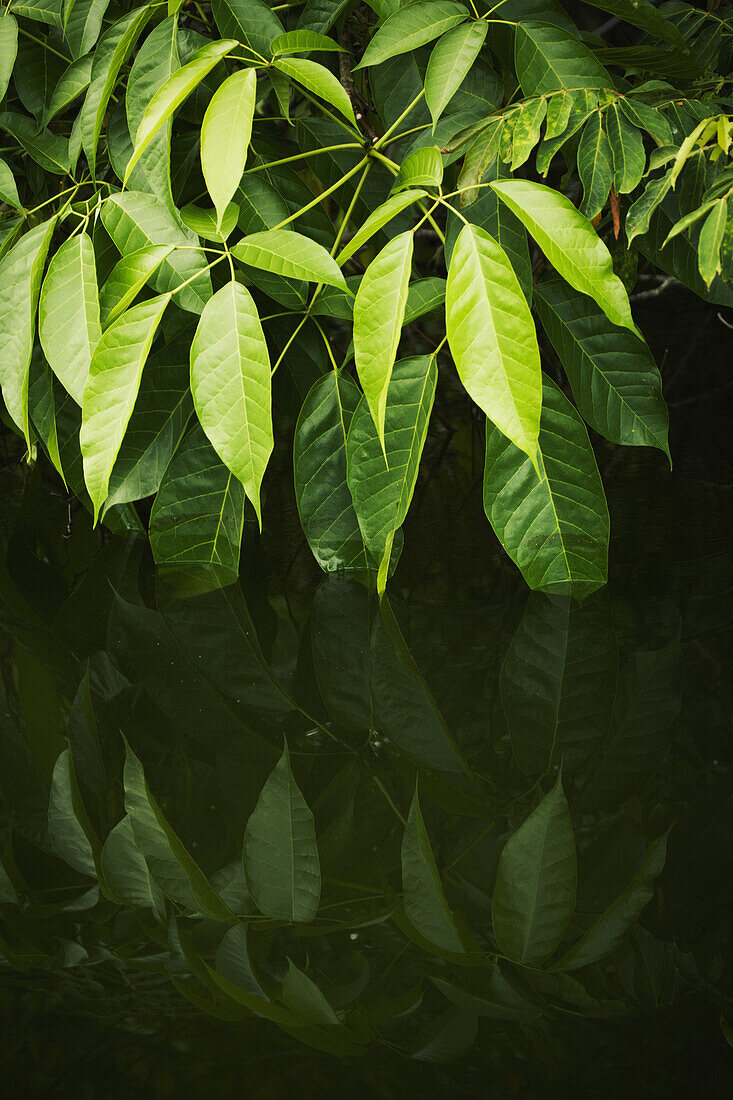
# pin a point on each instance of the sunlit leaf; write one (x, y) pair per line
(492, 337)
(21, 271)
(127, 278)
(111, 390)
(595, 166)
(289, 254)
(379, 310)
(8, 49)
(449, 63)
(319, 80)
(549, 59)
(230, 383)
(68, 313)
(411, 27)
(570, 243)
(421, 168)
(225, 134)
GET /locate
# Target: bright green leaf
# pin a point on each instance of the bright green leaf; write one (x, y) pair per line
(225, 134)
(319, 80)
(68, 313)
(384, 213)
(291, 255)
(128, 277)
(449, 64)
(410, 27)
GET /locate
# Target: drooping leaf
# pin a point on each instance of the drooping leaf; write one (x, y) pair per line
(534, 895)
(125, 876)
(171, 865)
(68, 313)
(526, 130)
(289, 254)
(111, 390)
(381, 478)
(553, 524)
(325, 506)
(379, 311)
(449, 63)
(608, 930)
(280, 852)
(384, 213)
(319, 80)
(711, 238)
(198, 515)
(73, 83)
(82, 24)
(21, 271)
(595, 166)
(135, 220)
(110, 55)
(550, 59)
(172, 94)
(492, 338)
(570, 243)
(641, 13)
(627, 150)
(206, 224)
(410, 27)
(8, 49)
(230, 383)
(127, 278)
(69, 827)
(305, 998)
(225, 134)
(616, 383)
(233, 961)
(424, 899)
(421, 168)
(251, 21)
(8, 188)
(558, 682)
(340, 628)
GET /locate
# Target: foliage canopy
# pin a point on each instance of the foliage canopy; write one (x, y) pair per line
(244, 216)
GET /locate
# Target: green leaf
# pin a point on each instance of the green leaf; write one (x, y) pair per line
(550, 59)
(319, 80)
(616, 383)
(8, 189)
(230, 382)
(135, 220)
(639, 214)
(558, 682)
(421, 168)
(42, 409)
(382, 475)
(496, 218)
(384, 213)
(570, 243)
(608, 930)
(124, 874)
(21, 271)
(526, 130)
(325, 506)
(595, 166)
(627, 150)
(534, 895)
(553, 524)
(424, 900)
(68, 313)
(379, 311)
(198, 514)
(72, 83)
(69, 827)
(404, 708)
(305, 998)
(641, 13)
(302, 41)
(449, 64)
(49, 150)
(410, 27)
(251, 21)
(205, 224)
(496, 999)
(162, 411)
(128, 277)
(563, 123)
(8, 49)
(176, 872)
(233, 961)
(82, 24)
(647, 118)
(340, 627)
(711, 238)
(290, 254)
(492, 337)
(111, 390)
(113, 50)
(225, 135)
(171, 95)
(280, 853)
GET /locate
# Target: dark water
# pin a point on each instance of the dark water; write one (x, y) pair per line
(632, 690)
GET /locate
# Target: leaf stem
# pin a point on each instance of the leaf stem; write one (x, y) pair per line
(301, 156)
(324, 195)
(387, 135)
